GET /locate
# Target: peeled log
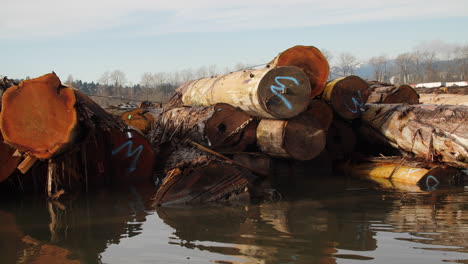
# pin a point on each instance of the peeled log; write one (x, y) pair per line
(403, 94)
(8, 162)
(193, 177)
(407, 172)
(301, 138)
(221, 127)
(310, 60)
(435, 133)
(277, 93)
(347, 96)
(38, 116)
(444, 99)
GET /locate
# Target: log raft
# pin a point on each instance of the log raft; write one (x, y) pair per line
(277, 93)
(310, 60)
(435, 133)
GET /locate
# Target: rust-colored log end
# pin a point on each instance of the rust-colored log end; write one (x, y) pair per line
(405, 94)
(38, 116)
(138, 118)
(8, 161)
(311, 60)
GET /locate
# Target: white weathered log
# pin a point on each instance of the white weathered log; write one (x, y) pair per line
(444, 99)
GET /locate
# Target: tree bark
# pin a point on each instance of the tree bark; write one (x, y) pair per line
(311, 61)
(193, 177)
(221, 127)
(277, 93)
(403, 94)
(347, 96)
(322, 112)
(8, 161)
(301, 138)
(436, 133)
(444, 99)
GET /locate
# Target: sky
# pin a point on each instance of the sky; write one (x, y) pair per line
(86, 38)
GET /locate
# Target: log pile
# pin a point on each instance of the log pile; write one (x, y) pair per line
(229, 137)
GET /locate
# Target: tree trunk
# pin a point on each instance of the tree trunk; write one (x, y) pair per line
(444, 99)
(322, 112)
(301, 138)
(221, 127)
(311, 61)
(8, 161)
(402, 171)
(38, 116)
(193, 177)
(347, 96)
(403, 94)
(436, 133)
(277, 93)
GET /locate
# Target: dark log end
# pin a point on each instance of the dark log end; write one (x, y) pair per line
(230, 129)
(8, 162)
(404, 94)
(322, 112)
(38, 116)
(349, 96)
(285, 92)
(304, 138)
(311, 61)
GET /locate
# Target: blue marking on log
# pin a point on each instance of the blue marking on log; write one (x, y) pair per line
(130, 153)
(278, 90)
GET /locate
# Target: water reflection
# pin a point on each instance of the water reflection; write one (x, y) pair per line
(335, 221)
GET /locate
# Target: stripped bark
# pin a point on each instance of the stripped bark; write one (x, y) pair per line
(301, 138)
(280, 92)
(444, 99)
(435, 133)
(403, 94)
(221, 127)
(347, 96)
(310, 60)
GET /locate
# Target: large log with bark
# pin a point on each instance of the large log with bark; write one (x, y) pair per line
(221, 127)
(444, 99)
(320, 111)
(347, 96)
(310, 60)
(435, 133)
(278, 93)
(8, 162)
(194, 177)
(301, 138)
(403, 94)
(141, 119)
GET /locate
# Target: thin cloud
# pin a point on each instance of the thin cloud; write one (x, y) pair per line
(28, 19)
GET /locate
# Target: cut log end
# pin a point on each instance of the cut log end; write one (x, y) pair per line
(405, 94)
(311, 61)
(38, 116)
(138, 118)
(284, 92)
(309, 143)
(348, 96)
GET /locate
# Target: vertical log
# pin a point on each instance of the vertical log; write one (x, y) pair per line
(301, 138)
(347, 96)
(310, 60)
(278, 93)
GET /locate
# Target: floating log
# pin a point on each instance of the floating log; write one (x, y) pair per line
(444, 99)
(403, 171)
(403, 94)
(435, 133)
(301, 138)
(193, 177)
(279, 93)
(221, 126)
(141, 119)
(311, 61)
(341, 140)
(38, 116)
(8, 160)
(347, 96)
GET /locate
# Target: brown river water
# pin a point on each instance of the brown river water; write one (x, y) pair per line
(332, 220)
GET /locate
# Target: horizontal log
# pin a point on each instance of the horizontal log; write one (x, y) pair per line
(435, 133)
(341, 140)
(310, 60)
(444, 99)
(401, 171)
(278, 93)
(193, 177)
(461, 90)
(221, 126)
(140, 118)
(301, 138)
(347, 96)
(322, 112)
(403, 94)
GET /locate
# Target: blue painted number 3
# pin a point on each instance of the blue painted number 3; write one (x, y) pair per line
(278, 90)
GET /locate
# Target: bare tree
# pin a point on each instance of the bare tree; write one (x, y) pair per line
(70, 79)
(327, 54)
(105, 78)
(404, 63)
(380, 66)
(118, 78)
(347, 63)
